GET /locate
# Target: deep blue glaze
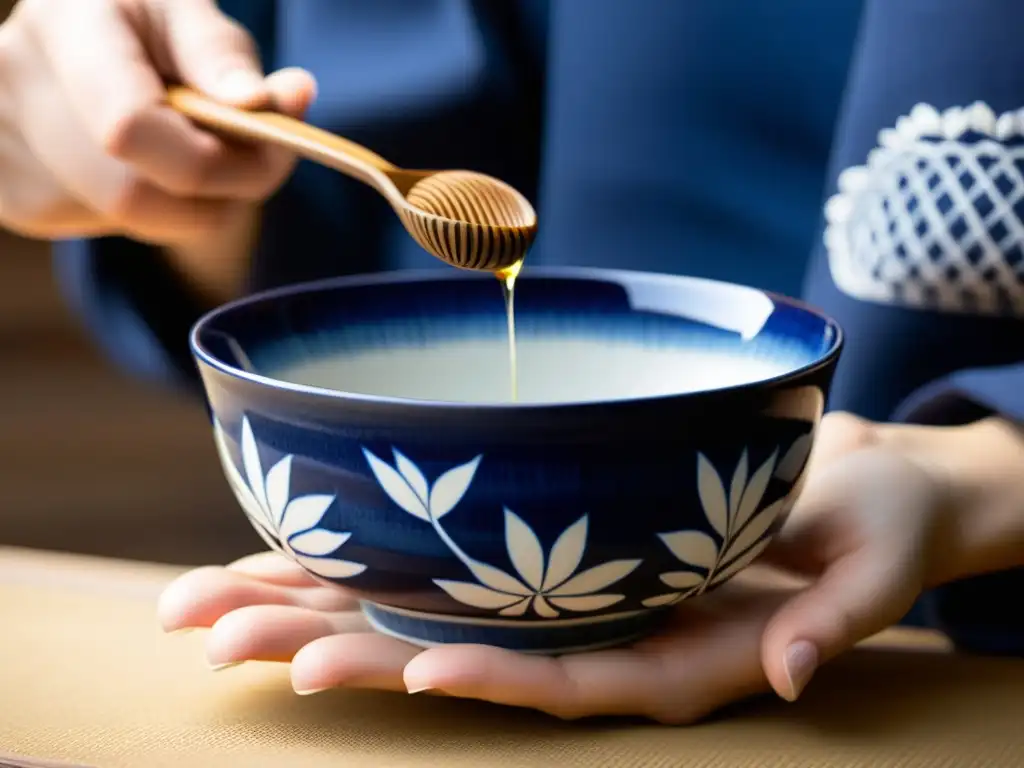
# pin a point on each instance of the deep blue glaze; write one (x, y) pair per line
(630, 466)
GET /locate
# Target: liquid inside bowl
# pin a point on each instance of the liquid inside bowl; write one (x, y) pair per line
(552, 369)
(581, 337)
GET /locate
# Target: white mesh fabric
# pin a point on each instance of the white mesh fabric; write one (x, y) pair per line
(935, 221)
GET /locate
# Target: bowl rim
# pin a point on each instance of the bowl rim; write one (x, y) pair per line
(202, 354)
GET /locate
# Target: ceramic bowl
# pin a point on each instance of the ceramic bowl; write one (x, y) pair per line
(660, 436)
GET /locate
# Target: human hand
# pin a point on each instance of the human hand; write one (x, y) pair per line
(862, 533)
(87, 146)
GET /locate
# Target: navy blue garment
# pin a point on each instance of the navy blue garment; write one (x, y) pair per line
(707, 127)
(698, 126)
(915, 364)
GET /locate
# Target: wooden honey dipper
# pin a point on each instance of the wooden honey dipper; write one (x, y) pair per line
(467, 219)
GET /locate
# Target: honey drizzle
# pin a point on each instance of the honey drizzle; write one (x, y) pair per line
(507, 278)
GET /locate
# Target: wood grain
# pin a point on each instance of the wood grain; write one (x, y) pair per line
(467, 219)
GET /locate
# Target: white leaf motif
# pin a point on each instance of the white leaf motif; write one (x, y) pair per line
(692, 547)
(412, 476)
(566, 554)
(755, 490)
(754, 530)
(450, 487)
(251, 462)
(497, 579)
(739, 482)
(304, 513)
(318, 542)
(516, 609)
(475, 595)
(329, 568)
(712, 495)
(278, 486)
(586, 602)
(287, 527)
(595, 579)
(544, 582)
(244, 496)
(544, 608)
(524, 550)
(396, 487)
(740, 563)
(659, 601)
(794, 460)
(682, 579)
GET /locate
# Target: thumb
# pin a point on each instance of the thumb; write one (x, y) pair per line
(860, 594)
(863, 524)
(213, 53)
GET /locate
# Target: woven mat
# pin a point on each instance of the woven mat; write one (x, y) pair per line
(86, 677)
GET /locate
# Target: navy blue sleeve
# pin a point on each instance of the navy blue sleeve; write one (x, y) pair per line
(922, 259)
(134, 305)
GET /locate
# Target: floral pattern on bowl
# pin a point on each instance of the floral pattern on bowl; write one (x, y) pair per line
(550, 526)
(545, 584)
(288, 525)
(740, 524)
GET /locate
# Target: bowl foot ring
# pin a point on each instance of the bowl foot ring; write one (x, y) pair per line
(543, 637)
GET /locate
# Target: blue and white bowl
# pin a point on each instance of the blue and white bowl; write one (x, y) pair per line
(661, 433)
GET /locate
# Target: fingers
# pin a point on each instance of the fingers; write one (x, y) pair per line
(201, 597)
(117, 196)
(274, 632)
(360, 660)
(492, 674)
(872, 551)
(806, 543)
(261, 608)
(570, 687)
(274, 568)
(264, 608)
(707, 658)
(601, 684)
(213, 53)
(96, 54)
(854, 599)
(94, 114)
(292, 90)
(185, 162)
(32, 202)
(840, 433)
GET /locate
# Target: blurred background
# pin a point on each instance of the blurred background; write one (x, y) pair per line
(90, 460)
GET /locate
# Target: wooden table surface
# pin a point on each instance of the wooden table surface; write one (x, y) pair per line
(88, 678)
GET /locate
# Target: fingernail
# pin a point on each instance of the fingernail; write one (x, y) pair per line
(311, 691)
(420, 689)
(182, 631)
(240, 85)
(800, 662)
(225, 665)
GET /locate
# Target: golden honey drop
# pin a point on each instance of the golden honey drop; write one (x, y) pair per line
(507, 278)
